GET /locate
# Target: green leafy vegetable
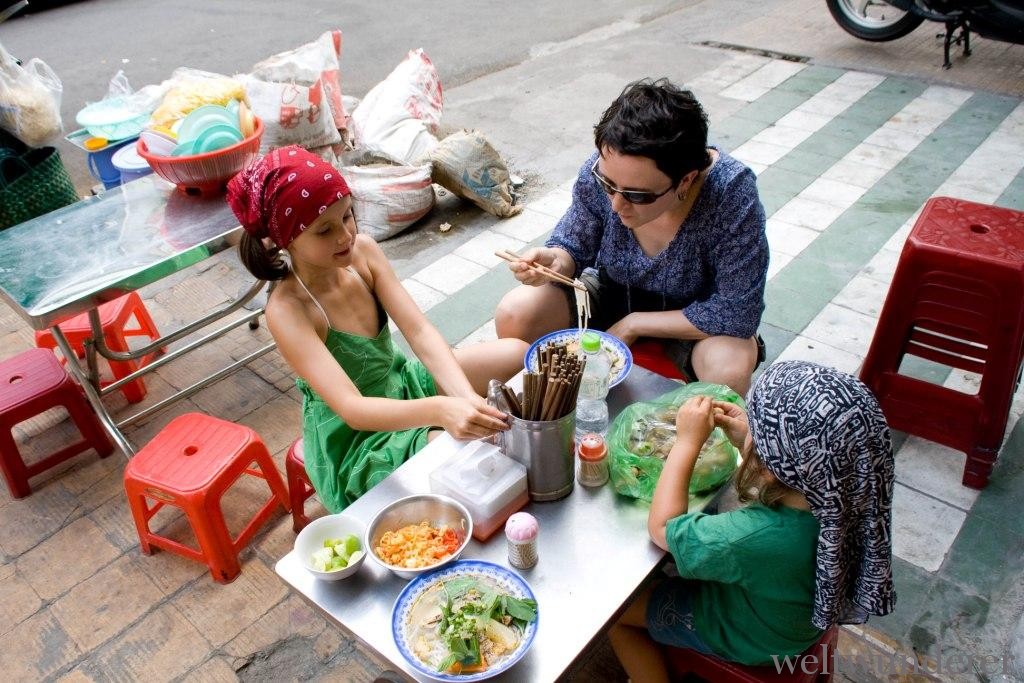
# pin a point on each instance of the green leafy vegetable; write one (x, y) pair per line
(469, 608)
(523, 610)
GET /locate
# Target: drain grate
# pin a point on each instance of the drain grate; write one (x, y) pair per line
(772, 54)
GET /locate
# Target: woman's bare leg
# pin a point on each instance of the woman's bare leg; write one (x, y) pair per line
(726, 360)
(499, 359)
(640, 656)
(529, 312)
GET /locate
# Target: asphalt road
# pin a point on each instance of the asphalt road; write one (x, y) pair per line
(472, 44)
(87, 42)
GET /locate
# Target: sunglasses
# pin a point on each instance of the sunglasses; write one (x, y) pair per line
(631, 196)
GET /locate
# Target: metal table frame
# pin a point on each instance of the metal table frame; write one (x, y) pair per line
(158, 232)
(90, 379)
(595, 555)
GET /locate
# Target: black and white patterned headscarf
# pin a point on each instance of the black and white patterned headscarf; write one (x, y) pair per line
(821, 431)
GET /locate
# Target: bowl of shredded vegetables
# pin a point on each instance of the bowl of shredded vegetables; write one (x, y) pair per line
(417, 534)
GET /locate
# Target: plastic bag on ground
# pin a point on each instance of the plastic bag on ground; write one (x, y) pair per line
(387, 199)
(467, 164)
(642, 435)
(308, 65)
(292, 114)
(398, 118)
(30, 100)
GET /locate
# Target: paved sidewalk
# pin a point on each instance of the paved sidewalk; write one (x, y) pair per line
(844, 158)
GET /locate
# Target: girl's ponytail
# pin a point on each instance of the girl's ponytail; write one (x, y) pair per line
(263, 263)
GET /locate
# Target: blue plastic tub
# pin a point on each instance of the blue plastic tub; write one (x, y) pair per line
(101, 163)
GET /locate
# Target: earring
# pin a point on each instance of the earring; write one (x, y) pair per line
(681, 196)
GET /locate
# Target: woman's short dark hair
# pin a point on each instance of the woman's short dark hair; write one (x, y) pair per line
(657, 120)
(263, 263)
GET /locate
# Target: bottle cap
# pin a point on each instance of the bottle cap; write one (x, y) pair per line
(590, 342)
(592, 447)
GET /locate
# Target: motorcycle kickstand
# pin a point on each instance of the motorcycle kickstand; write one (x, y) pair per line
(950, 37)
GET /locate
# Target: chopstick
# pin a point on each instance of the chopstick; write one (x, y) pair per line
(550, 393)
(512, 257)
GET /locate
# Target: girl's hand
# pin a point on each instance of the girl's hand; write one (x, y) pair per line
(733, 421)
(695, 420)
(542, 256)
(470, 418)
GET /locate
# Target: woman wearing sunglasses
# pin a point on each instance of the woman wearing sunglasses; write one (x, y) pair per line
(669, 235)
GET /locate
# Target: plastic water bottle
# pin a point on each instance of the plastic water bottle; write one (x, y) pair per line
(591, 407)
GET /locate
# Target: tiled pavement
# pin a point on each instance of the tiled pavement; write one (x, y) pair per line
(844, 159)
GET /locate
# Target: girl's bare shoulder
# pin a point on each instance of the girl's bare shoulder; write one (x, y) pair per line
(286, 304)
(367, 257)
(366, 249)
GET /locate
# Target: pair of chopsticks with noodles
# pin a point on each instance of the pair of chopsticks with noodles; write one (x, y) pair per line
(552, 275)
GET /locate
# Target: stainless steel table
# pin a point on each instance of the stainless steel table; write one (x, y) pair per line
(593, 546)
(74, 259)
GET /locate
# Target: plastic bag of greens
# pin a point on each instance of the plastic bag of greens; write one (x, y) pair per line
(642, 435)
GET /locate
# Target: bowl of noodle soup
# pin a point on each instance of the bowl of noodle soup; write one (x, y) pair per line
(620, 359)
(494, 597)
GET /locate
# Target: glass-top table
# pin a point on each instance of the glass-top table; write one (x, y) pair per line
(75, 258)
(71, 260)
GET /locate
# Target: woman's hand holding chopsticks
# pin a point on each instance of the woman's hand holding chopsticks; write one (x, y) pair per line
(540, 265)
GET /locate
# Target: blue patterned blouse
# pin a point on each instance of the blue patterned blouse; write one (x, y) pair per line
(717, 263)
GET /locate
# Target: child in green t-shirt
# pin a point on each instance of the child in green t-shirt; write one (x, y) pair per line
(812, 549)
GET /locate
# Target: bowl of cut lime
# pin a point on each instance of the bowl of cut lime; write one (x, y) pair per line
(331, 547)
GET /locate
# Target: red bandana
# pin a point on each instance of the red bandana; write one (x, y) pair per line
(281, 193)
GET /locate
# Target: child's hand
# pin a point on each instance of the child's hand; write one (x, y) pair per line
(733, 421)
(471, 418)
(695, 420)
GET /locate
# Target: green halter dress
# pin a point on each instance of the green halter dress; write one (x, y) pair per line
(344, 463)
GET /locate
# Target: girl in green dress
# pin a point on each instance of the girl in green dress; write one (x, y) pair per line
(366, 407)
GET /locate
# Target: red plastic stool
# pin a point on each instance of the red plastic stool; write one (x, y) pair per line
(299, 487)
(815, 665)
(114, 319)
(190, 464)
(957, 298)
(650, 353)
(33, 382)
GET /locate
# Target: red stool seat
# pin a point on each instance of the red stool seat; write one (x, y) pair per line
(32, 383)
(190, 464)
(299, 487)
(815, 665)
(957, 298)
(650, 354)
(114, 319)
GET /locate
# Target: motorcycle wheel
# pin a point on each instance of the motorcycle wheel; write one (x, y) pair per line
(872, 20)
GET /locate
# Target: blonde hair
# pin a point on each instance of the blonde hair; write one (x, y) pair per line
(754, 482)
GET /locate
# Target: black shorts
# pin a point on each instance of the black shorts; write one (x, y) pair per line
(610, 302)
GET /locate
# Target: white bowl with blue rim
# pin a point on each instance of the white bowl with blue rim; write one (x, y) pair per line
(509, 581)
(619, 355)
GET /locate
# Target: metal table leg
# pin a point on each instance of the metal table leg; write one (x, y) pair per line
(91, 392)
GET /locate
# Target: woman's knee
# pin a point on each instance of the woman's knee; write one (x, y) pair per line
(528, 312)
(726, 360)
(510, 317)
